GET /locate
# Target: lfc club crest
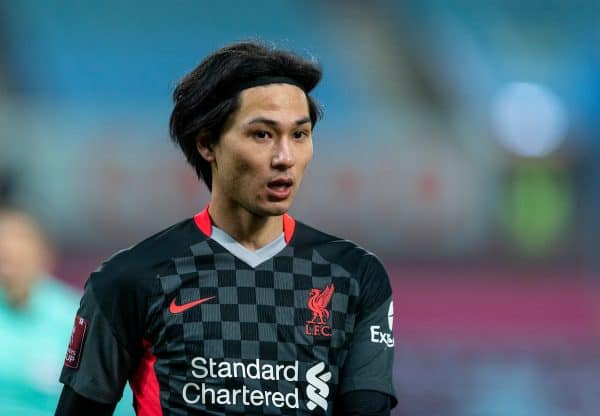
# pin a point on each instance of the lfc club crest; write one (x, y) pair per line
(317, 302)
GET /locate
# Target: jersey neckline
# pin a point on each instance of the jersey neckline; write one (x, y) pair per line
(204, 224)
(252, 258)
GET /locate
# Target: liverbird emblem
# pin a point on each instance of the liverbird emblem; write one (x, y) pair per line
(317, 303)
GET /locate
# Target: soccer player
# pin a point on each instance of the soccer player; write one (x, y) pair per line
(240, 309)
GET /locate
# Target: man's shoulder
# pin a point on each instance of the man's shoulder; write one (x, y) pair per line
(344, 252)
(143, 258)
(363, 267)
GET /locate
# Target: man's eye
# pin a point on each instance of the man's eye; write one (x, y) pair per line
(262, 134)
(300, 134)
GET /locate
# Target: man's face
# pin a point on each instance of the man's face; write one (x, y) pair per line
(260, 159)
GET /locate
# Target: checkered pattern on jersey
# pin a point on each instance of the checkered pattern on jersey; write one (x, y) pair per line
(257, 313)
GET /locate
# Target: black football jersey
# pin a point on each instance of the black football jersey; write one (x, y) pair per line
(199, 325)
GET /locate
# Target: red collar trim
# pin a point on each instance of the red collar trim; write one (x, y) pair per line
(204, 224)
(289, 225)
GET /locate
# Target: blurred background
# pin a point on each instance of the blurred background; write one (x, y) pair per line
(460, 143)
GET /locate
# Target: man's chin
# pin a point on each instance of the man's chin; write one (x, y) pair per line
(274, 209)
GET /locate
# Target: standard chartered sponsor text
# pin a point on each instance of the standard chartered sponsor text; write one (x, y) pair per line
(207, 393)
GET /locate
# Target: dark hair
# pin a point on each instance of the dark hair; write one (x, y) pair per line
(206, 97)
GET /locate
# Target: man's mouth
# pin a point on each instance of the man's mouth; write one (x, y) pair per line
(280, 184)
(280, 188)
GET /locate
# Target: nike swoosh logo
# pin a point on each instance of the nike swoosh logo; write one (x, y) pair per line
(175, 308)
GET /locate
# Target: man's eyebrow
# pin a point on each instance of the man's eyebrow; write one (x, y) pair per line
(303, 121)
(274, 123)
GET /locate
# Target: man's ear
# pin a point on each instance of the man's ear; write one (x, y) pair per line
(205, 148)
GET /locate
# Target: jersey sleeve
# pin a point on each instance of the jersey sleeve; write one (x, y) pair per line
(105, 340)
(369, 363)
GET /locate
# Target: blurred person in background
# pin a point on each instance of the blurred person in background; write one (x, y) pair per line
(36, 318)
(240, 309)
(36, 315)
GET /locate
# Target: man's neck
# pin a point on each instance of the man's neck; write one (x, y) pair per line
(251, 231)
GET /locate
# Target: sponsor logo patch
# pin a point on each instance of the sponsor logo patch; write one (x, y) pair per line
(174, 308)
(317, 302)
(76, 343)
(317, 389)
(381, 336)
(205, 371)
(204, 388)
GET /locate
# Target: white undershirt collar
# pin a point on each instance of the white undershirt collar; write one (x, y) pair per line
(252, 258)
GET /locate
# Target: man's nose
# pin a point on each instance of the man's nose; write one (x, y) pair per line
(284, 154)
